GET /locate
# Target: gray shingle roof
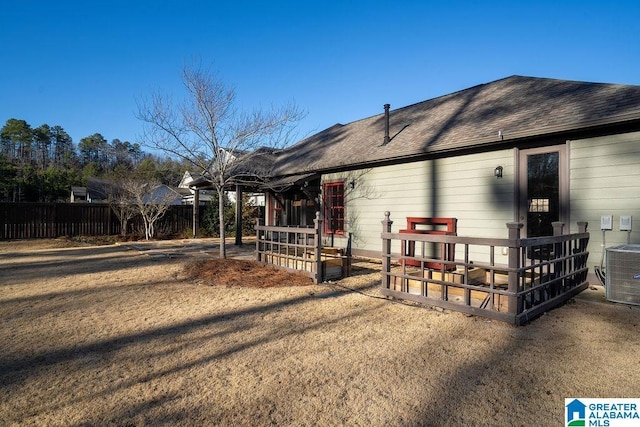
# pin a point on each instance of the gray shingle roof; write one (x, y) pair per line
(79, 191)
(518, 106)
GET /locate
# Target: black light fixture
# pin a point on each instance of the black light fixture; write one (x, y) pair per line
(498, 172)
(352, 185)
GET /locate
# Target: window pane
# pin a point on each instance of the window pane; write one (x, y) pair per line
(334, 212)
(543, 192)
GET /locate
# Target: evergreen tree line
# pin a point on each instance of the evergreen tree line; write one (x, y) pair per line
(41, 164)
(211, 220)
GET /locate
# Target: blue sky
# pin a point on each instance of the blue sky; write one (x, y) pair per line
(81, 65)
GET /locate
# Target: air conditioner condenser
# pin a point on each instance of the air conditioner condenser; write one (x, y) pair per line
(623, 274)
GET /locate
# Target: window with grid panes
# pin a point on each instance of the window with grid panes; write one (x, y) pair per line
(334, 212)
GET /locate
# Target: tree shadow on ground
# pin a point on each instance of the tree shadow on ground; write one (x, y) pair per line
(23, 368)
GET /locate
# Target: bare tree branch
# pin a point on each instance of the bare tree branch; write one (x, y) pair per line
(206, 129)
(151, 199)
(121, 202)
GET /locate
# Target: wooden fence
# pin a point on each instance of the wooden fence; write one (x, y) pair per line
(52, 220)
(541, 273)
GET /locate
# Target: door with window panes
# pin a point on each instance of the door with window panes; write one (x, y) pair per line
(543, 188)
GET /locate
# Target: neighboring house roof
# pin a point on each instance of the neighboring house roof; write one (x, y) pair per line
(79, 191)
(188, 195)
(99, 189)
(482, 116)
(184, 191)
(187, 178)
(162, 194)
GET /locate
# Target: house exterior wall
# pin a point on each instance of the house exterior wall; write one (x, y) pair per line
(605, 180)
(466, 189)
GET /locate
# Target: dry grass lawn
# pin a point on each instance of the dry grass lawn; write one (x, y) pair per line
(110, 335)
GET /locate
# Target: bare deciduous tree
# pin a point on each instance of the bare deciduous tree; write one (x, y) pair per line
(206, 129)
(151, 201)
(121, 202)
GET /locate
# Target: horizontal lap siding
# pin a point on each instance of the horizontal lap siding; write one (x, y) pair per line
(605, 180)
(466, 190)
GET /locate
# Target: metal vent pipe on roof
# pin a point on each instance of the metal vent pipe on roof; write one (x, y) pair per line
(386, 124)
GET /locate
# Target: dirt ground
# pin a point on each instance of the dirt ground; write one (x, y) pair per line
(157, 334)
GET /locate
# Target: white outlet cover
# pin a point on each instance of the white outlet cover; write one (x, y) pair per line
(606, 222)
(625, 222)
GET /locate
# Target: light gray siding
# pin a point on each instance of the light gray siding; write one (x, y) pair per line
(605, 180)
(465, 189)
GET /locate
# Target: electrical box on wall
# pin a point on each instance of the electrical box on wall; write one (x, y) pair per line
(625, 222)
(606, 222)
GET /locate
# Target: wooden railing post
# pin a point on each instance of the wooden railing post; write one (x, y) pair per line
(582, 226)
(557, 227)
(582, 247)
(515, 302)
(386, 251)
(558, 252)
(317, 253)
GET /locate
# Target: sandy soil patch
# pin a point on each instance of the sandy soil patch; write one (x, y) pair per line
(112, 335)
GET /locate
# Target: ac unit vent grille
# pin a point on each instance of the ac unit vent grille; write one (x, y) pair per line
(623, 274)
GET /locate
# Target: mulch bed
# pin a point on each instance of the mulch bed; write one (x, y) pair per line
(242, 273)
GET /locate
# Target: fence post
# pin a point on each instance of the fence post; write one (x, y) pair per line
(317, 252)
(108, 213)
(386, 251)
(515, 302)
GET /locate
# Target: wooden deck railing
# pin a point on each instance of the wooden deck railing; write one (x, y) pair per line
(541, 272)
(292, 248)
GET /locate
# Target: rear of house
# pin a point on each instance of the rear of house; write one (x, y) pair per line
(580, 180)
(517, 150)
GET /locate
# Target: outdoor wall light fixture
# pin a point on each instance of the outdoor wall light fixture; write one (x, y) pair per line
(352, 185)
(498, 172)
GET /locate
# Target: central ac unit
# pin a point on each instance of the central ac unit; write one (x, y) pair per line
(623, 274)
